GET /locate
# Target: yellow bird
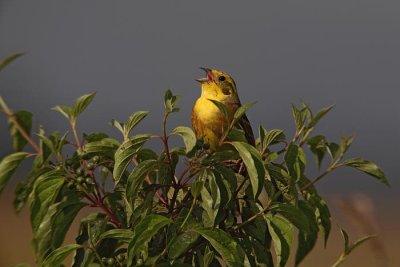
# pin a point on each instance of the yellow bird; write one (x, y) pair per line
(207, 120)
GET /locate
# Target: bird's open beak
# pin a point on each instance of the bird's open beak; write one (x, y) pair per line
(210, 76)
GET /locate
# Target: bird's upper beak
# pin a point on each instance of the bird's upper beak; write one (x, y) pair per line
(210, 75)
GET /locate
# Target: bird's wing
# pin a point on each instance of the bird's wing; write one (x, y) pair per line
(245, 125)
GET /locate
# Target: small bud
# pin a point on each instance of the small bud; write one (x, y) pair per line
(110, 261)
(80, 179)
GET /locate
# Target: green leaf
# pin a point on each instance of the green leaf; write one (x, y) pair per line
(8, 165)
(227, 247)
(293, 214)
(103, 146)
(196, 188)
(64, 110)
(56, 257)
(319, 116)
(321, 208)
(10, 59)
(136, 178)
(133, 120)
(182, 243)
(188, 136)
(221, 106)
(125, 153)
(24, 119)
(299, 118)
(55, 224)
(318, 147)
(309, 238)
(81, 104)
(254, 165)
(143, 232)
(123, 235)
(210, 198)
(118, 125)
(282, 235)
(97, 223)
(241, 110)
(367, 167)
(295, 161)
(273, 136)
(44, 193)
(170, 102)
(337, 151)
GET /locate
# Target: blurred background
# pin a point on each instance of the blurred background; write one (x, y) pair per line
(279, 52)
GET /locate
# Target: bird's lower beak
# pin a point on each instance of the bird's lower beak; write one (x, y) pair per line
(210, 76)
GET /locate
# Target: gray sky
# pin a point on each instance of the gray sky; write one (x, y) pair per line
(279, 52)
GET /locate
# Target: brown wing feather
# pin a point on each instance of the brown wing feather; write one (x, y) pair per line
(245, 125)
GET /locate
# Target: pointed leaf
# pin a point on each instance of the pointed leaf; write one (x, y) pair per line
(10, 59)
(64, 110)
(133, 120)
(8, 165)
(81, 104)
(241, 110)
(221, 106)
(367, 167)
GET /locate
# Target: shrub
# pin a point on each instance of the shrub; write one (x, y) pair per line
(182, 206)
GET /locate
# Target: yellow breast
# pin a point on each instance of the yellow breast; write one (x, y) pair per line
(208, 122)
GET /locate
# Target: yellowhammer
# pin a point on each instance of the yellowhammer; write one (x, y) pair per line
(207, 119)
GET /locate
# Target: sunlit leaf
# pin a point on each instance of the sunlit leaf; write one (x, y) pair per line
(188, 136)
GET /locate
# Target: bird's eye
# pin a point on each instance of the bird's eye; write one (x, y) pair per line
(221, 78)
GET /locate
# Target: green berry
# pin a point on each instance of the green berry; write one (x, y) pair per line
(120, 258)
(88, 180)
(104, 259)
(110, 261)
(80, 179)
(71, 185)
(90, 166)
(96, 159)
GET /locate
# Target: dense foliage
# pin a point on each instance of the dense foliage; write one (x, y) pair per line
(179, 207)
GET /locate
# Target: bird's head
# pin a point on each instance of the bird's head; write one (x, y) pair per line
(218, 85)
